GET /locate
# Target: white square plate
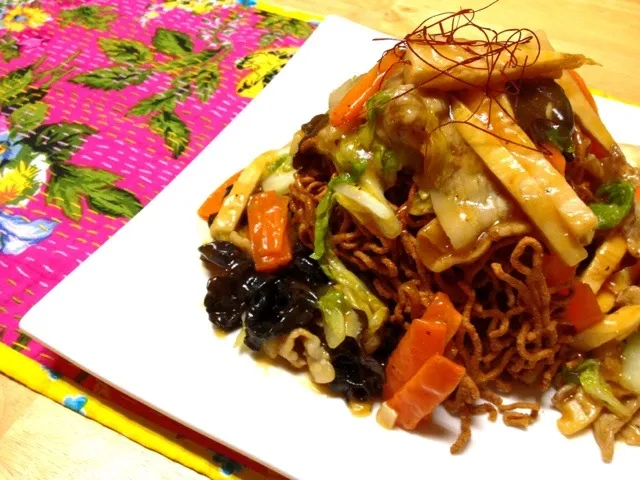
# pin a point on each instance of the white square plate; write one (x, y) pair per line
(133, 315)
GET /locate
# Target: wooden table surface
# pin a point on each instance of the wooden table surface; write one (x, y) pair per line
(40, 439)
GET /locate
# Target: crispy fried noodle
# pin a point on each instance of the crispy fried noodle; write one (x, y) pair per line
(459, 226)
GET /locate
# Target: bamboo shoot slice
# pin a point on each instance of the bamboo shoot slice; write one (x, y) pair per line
(605, 262)
(580, 219)
(520, 184)
(589, 117)
(427, 64)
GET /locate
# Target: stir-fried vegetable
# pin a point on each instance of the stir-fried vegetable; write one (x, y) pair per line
(421, 203)
(359, 377)
(368, 210)
(617, 200)
(323, 214)
(582, 104)
(630, 434)
(427, 389)
(213, 203)
(556, 272)
(282, 164)
(427, 62)
(366, 202)
(584, 109)
(588, 375)
(606, 300)
(583, 309)
(615, 326)
(465, 200)
(522, 185)
(579, 219)
(268, 218)
(543, 111)
(236, 201)
(374, 107)
(280, 175)
(606, 260)
(630, 375)
(279, 182)
(332, 305)
(424, 338)
(608, 425)
(357, 295)
(346, 113)
(442, 311)
(555, 157)
(436, 252)
(583, 88)
(578, 410)
(339, 320)
(624, 278)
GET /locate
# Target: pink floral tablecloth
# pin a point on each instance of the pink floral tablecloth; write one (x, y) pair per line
(102, 104)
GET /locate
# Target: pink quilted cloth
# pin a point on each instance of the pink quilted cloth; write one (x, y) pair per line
(102, 104)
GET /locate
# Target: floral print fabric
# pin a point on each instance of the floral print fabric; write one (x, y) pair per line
(102, 104)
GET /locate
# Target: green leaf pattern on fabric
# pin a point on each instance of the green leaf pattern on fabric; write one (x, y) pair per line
(175, 133)
(28, 117)
(192, 73)
(161, 102)
(125, 51)
(9, 48)
(70, 183)
(12, 84)
(280, 26)
(60, 140)
(172, 42)
(112, 78)
(89, 16)
(207, 79)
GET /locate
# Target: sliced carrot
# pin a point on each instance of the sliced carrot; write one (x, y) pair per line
(555, 157)
(346, 113)
(268, 218)
(583, 309)
(441, 310)
(427, 389)
(213, 203)
(556, 272)
(637, 194)
(583, 88)
(422, 340)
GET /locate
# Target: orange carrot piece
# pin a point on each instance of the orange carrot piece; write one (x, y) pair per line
(556, 272)
(555, 157)
(441, 310)
(637, 194)
(268, 218)
(427, 389)
(583, 88)
(213, 203)
(583, 309)
(422, 340)
(345, 114)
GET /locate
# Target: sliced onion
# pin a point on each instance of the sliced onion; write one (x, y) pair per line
(630, 377)
(279, 182)
(615, 326)
(371, 212)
